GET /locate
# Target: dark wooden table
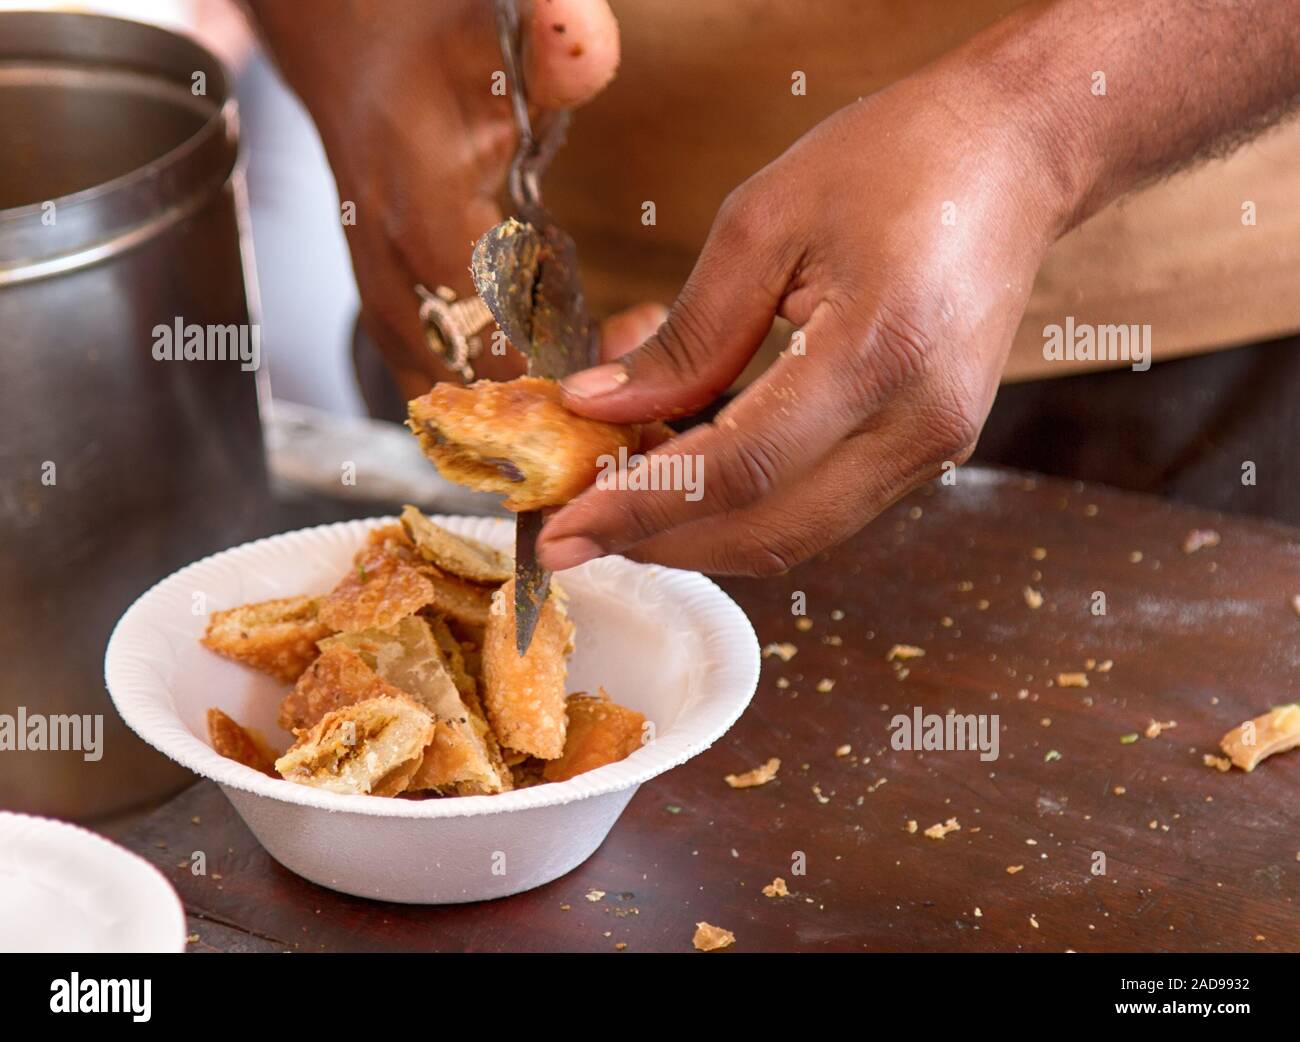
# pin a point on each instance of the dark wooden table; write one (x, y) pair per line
(1194, 860)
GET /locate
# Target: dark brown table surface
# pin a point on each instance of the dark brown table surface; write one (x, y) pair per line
(1195, 860)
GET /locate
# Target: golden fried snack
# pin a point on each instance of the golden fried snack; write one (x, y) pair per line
(374, 747)
(524, 697)
(382, 589)
(456, 554)
(463, 750)
(1275, 732)
(464, 758)
(453, 654)
(340, 677)
(277, 637)
(599, 732)
(239, 744)
(454, 598)
(516, 438)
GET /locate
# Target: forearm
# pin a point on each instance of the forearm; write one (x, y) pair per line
(1182, 79)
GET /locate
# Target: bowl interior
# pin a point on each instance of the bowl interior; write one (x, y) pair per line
(669, 644)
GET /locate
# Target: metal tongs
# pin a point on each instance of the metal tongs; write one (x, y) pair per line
(526, 271)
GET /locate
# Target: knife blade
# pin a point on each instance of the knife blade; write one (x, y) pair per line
(526, 271)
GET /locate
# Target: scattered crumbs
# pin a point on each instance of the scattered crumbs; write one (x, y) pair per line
(833, 639)
(192, 938)
(1153, 824)
(1219, 763)
(825, 685)
(982, 604)
(194, 820)
(911, 826)
(817, 791)
(672, 808)
(803, 624)
(946, 621)
(1128, 739)
(904, 653)
(1031, 842)
(1038, 553)
(1089, 664)
(1046, 721)
(902, 674)
(1071, 679)
(1013, 869)
(785, 652)
(776, 888)
(1022, 694)
(844, 750)
(978, 913)
(1260, 937)
(1156, 726)
(878, 784)
(782, 683)
(837, 615)
(758, 776)
(1135, 557)
(939, 831)
(914, 513)
(620, 946)
(565, 907)
(1089, 511)
(1119, 790)
(1033, 598)
(1198, 538)
(965, 586)
(1051, 756)
(595, 895)
(709, 938)
(1105, 665)
(1033, 922)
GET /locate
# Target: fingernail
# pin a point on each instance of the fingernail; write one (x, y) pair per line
(568, 553)
(591, 383)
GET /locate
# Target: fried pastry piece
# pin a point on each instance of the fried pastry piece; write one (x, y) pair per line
(454, 598)
(374, 747)
(463, 750)
(382, 589)
(340, 677)
(1275, 732)
(453, 654)
(456, 555)
(276, 637)
(516, 438)
(599, 732)
(524, 697)
(240, 744)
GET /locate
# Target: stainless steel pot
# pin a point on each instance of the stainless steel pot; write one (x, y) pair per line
(119, 213)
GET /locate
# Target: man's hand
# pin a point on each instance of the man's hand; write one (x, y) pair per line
(402, 93)
(902, 237)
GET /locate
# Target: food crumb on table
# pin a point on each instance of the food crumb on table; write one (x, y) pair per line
(760, 775)
(709, 938)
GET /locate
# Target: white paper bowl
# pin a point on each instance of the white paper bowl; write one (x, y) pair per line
(65, 890)
(665, 642)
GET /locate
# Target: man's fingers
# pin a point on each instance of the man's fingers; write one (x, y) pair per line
(717, 323)
(769, 436)
(853, 484)
(623, 331)
(573, 51)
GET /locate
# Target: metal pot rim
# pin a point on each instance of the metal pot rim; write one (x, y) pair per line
(105, 219)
